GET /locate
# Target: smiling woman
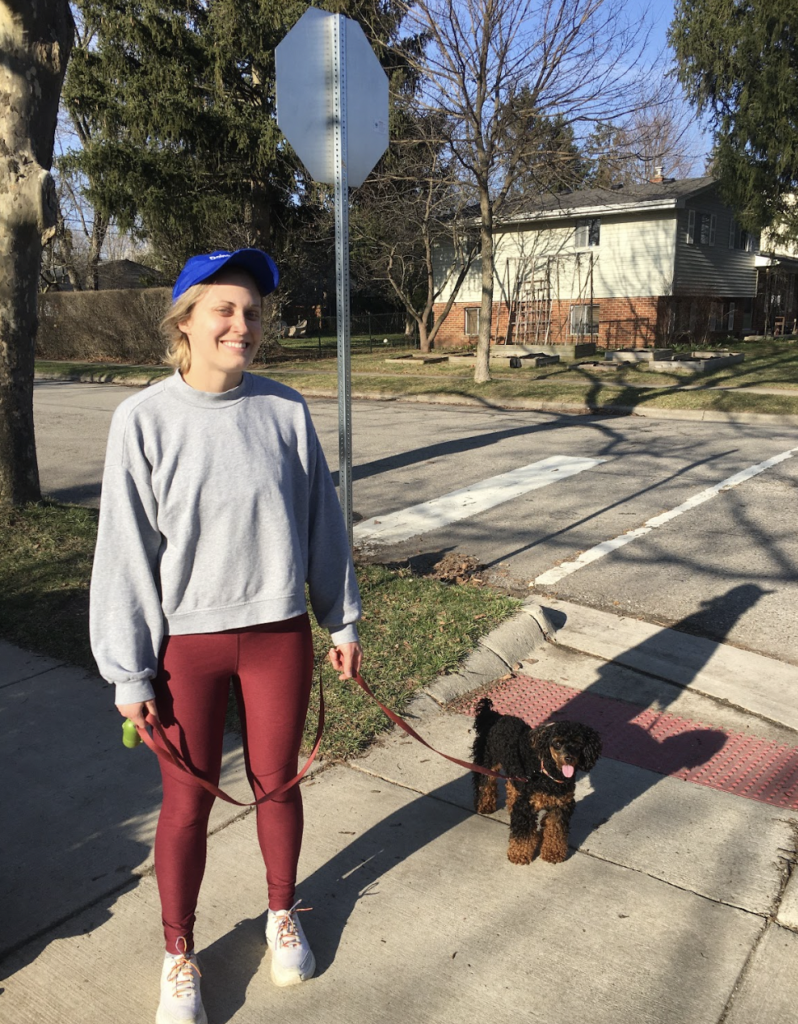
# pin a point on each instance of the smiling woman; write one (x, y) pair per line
(217, 510)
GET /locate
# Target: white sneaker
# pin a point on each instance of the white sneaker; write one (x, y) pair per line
(292, 957)
(181, 1002)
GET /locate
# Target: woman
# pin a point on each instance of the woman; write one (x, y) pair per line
(217, 508)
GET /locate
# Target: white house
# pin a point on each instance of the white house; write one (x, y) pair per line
(635, 265)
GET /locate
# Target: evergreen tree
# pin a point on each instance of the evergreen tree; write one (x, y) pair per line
(177, 102)
(738, 63)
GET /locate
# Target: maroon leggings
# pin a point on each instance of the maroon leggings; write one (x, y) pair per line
(271, 667)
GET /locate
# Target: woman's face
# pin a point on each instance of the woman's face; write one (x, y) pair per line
(224, 331)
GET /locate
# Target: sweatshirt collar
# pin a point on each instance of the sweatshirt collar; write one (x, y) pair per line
(210, 399)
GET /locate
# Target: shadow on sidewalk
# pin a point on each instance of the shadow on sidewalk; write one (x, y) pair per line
(627, 741)
(353, 874)
(71, 810)
(349, 877)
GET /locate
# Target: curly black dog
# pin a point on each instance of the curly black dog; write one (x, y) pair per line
(547, 758)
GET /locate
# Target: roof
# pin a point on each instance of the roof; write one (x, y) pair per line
(668, 194)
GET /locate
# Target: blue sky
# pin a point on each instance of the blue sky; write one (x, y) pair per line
(659, 14)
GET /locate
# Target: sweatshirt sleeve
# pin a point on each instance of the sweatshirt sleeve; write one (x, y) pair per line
(125, 616)
(332, 584)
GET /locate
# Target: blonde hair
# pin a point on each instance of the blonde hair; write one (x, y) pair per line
(178, 349)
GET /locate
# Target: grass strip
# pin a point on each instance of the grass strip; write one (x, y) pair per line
(585, 384)
(413, 628)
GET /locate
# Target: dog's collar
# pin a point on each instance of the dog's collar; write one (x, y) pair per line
(560, 782)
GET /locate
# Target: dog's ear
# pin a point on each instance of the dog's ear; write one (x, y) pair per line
(539, 740)
(591, 748)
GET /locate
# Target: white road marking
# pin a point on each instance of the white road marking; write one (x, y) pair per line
(600, 550)
(457, 505)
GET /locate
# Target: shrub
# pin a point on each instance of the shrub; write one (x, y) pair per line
(116, 326)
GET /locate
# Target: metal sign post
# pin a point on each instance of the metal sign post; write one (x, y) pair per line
(332, 106)
(342, 273)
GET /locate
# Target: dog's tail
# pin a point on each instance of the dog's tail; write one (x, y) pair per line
(484, 719)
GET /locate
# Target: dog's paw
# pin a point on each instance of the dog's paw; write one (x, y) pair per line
(521, 851)
(553, 853)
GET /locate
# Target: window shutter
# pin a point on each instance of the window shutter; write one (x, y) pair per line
(732, 233)
(691, 227)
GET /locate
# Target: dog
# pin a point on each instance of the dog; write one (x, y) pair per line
(547, 759)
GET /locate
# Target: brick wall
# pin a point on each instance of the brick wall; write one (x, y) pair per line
(623, 323)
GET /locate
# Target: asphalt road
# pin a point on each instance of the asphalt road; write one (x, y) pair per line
(727, 568)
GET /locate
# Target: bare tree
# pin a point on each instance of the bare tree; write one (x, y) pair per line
(493, 67)
(660, 132)
(35, 38)
(404, 215)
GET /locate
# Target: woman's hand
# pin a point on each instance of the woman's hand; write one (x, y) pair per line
(138, 712)
(346, 660)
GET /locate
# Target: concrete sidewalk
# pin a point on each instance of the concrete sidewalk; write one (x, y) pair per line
(675, 905)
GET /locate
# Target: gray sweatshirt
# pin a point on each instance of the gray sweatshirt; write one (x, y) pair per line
(216, 510)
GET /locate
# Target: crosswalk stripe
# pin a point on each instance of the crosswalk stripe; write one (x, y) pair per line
(605, 547)
(469, 501)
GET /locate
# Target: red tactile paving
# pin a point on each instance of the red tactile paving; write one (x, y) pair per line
(735, 763)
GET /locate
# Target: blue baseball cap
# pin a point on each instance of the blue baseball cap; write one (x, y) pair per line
(255, 261)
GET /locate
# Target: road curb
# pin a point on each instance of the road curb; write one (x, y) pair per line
(510, 405)
(496, 654)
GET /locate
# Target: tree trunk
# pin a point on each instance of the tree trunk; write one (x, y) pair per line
(482, 363)
(99, 229)
(35, 38)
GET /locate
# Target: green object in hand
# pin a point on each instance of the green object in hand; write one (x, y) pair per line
(130, 734)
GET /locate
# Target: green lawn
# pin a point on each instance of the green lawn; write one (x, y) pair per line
(413, 628)
(772, 364)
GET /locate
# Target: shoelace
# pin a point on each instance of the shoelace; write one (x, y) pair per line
(287, 934)
(183, 975)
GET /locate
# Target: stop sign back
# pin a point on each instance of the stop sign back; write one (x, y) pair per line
(306, 62)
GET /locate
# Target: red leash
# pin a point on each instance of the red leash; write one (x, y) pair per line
(361, 682)
(167, 752)
(159, 744)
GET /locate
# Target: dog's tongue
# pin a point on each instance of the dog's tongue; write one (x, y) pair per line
(568, 770)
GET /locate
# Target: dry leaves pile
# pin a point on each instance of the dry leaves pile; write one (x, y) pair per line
(457, 568)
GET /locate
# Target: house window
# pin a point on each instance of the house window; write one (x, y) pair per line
(730, 318)
(701, 228)
(472, 322)
(588, 232)
(706, 233)
(584, 320)
(740, 239)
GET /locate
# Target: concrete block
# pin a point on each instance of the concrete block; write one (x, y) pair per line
(79, 809)
(788, 908)
(769, 988)
(16, 664)
(747, 680)
(516, 638)
(481, 667)
(638, 355)
(400, 932)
